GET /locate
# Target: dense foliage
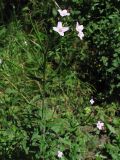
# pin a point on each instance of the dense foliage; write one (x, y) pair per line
(47, 81)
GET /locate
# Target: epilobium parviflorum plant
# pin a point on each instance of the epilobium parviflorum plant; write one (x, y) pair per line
(47, 107)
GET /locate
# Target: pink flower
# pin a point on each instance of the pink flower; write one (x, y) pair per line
(60, 154)
(100, 125)
(63, 12)
(79, 29)
(60, 29)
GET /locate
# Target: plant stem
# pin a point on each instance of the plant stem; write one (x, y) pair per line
(44, 83)
(44, 109)
(56, 4)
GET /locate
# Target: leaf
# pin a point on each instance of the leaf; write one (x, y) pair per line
(54, 12)
(59, 125)
(112, 130)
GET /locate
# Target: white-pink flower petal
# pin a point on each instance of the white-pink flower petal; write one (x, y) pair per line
(59, 25)
(79, 28)
(81, 35)
(65, 29)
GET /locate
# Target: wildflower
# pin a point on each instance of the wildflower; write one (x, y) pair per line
(92, 101)
(63, 12)
(100, 125)
(79, 28)
(60, 29)
(60, 154)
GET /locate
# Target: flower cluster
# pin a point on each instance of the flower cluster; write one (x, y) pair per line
(60, 29)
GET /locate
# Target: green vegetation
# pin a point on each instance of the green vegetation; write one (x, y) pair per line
(47, 81)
